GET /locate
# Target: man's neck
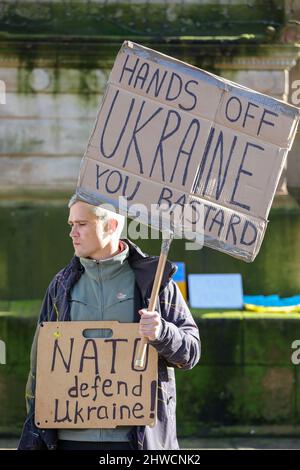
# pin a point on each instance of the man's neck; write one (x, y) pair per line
(109, 251)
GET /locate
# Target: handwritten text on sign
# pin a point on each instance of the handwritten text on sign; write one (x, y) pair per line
(92, 382)
(194, 136)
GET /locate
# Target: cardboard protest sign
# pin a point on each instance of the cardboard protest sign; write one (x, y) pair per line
(169, 135)
(92, 382)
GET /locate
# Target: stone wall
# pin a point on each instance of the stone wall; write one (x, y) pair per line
(244, 383)
(293, 167)
(55, 58)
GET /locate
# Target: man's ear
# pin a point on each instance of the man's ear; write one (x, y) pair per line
(112, 225)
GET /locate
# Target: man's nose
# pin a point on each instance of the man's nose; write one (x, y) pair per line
(73, 232)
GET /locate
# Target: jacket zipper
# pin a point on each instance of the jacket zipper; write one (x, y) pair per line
(101, 309)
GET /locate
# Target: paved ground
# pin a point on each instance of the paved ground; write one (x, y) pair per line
(241, 443)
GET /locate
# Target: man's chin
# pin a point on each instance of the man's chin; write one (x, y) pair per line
(79, 252)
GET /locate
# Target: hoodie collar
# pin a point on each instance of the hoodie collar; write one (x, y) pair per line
(108, 268)
(143, 265)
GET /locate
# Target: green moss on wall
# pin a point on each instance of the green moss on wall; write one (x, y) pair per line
(17, 332)
(83, 18)
(35, 244)
(245, 378)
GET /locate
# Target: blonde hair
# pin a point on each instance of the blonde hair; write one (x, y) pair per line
(102, 213)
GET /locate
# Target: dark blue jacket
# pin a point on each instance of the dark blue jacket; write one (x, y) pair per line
(178, 346)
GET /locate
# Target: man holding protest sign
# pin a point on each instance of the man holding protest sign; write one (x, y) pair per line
(111, 279)
(207, 168)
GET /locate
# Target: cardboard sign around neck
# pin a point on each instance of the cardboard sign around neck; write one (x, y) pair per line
(91, 382)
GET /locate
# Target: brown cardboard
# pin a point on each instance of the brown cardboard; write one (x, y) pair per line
(167, 126)
(91, 382)
(245, 177)
(111, 183)
(146, 77)
(164, 78)
(257, 115)
(112, 141)
(224, 228)
(227, 230)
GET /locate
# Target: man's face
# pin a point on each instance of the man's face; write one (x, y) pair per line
(87, 231)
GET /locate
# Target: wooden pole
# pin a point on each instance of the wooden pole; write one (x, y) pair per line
(165, 246)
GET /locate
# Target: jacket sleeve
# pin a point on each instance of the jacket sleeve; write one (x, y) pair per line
(179, 339)
(31, 438)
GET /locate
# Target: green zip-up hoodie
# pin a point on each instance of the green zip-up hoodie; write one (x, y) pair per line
(105, 291)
